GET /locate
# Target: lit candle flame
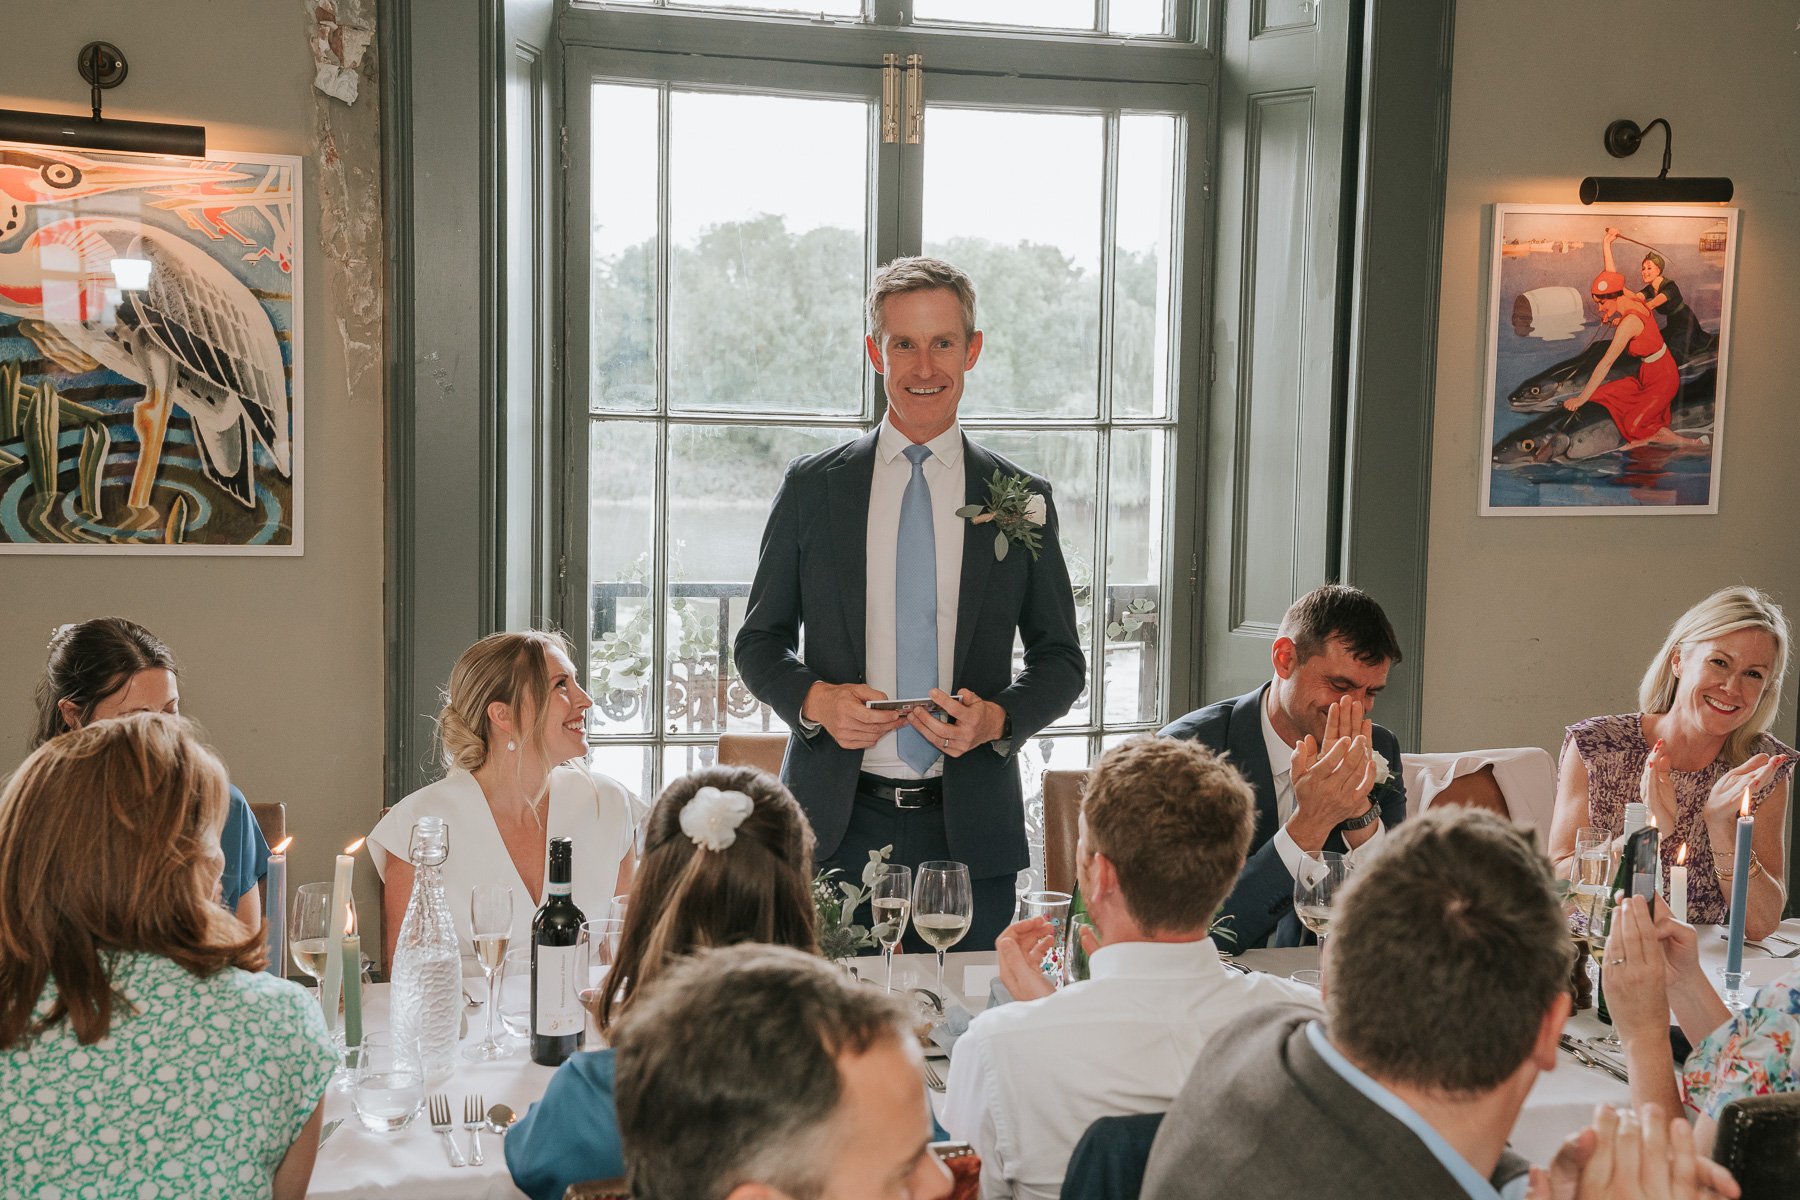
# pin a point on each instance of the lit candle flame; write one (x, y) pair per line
(349, 920)
(353, 847)
(283, 844)
(1681, 855)
(1653, 822)
(1746, 808)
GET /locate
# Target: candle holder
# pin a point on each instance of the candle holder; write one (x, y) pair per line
(1732, 990)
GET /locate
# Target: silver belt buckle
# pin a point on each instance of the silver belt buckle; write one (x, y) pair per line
(902, 794)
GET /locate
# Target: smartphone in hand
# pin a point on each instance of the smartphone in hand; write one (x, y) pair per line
(1643, 854)
(906, 706)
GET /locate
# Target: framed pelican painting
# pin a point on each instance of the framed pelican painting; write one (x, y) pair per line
(149, 353)
(1608, 332)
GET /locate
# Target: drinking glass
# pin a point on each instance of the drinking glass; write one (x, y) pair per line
(490, 926)
(1075, 955)
(891, 904)
(1316, 889)
(602, 941)
(1593, 870)
(515, 993)
(309, 928)
(616, 910)
(943, 905)
(389, 1085)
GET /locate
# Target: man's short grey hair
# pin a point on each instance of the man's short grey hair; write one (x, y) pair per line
(918, 274)
(727, 1071)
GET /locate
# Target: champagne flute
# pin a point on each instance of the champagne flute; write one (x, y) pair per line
(309, 928)
(490, 926)
(1593, 868)
(943, 904)
(891, 901)
(1316, 889)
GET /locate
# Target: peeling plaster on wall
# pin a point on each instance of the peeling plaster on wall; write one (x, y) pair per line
(347, 148)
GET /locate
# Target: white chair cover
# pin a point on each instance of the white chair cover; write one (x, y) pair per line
(1526, 776)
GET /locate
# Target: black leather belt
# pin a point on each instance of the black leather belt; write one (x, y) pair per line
(901, 793)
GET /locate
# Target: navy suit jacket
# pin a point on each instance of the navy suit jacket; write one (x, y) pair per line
(1263, 900)
(812, 575)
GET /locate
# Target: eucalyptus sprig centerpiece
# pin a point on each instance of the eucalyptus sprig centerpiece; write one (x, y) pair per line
(835, 902)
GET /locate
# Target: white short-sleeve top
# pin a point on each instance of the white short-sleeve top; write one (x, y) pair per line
(592, 810)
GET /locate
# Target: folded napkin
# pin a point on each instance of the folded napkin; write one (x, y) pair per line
(956, 1018)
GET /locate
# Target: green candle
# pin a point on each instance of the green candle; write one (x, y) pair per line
(352, 989)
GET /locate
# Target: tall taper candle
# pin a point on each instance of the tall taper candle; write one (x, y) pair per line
(1740, 890)
(1678, 886)
(352, 981)
(275, 908)
(331, 987)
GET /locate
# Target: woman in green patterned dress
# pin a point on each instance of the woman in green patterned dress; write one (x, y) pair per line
(142, 1050)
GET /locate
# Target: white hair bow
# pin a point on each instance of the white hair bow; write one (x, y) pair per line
(712, 817)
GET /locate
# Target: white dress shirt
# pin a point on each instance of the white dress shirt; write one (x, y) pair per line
(1027, 1079)
(944, 476)
(1281, 767)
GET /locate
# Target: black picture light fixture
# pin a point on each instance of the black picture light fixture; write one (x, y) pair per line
(103, 66)
(1622, 139)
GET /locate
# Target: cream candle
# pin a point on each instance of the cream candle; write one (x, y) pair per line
(331, 987)
(1678, 885)
(352, 958)
(275, 908)
(1740, 891)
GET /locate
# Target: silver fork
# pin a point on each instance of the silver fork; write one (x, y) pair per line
(474, 1112)
(441, 1123)
(933, 1080)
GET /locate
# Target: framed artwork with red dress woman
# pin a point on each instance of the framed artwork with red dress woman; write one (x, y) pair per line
(1607, 336)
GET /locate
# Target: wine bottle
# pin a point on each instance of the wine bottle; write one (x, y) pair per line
(1637, 816)
(558, 1024)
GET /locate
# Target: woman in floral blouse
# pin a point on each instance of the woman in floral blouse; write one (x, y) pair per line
(143, 1051)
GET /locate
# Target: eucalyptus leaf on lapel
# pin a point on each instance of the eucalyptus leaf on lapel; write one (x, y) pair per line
(1017, 512)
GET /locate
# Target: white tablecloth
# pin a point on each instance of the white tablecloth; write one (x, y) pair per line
(412, 1164)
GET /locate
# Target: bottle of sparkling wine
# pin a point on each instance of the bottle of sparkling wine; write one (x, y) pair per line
(558, 1023)
(1637, 816)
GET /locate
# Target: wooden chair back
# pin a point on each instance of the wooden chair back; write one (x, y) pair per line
(761, 750)
(1062, 809)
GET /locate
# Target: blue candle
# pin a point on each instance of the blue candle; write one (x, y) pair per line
(1740, 887)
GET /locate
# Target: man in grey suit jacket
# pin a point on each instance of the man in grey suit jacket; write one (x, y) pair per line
(1331, 658)
(1446, 990)
(938, 781)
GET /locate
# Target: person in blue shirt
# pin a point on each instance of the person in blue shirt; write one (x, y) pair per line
(111, 667)
(727, 859)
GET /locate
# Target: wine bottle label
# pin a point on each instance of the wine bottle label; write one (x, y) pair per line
(559, 1012)
(553, 888)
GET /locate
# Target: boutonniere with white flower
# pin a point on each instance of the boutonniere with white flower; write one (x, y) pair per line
(1017, 512)
(1384, 772)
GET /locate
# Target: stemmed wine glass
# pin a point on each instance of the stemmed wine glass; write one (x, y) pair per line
(309, 928)
(891, 901)
(943, 904)
(1317, 887)
(490, 925)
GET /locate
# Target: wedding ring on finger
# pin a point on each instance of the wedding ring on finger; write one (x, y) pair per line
(1613, 962)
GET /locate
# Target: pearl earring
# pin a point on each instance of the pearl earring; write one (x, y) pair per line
(512, 745)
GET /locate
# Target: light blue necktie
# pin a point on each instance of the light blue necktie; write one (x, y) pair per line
(915, 607)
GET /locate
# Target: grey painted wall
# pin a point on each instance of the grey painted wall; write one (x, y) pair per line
(1535, 623)
(282, 657)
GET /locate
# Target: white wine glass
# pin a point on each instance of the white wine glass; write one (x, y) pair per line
(1316, 889)
(490, 926)
(943, 904)
(309, 928)
(891, 904)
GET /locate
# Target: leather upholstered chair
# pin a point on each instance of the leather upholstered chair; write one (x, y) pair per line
(1062, 809)
(763, 751)
(1759, 1143)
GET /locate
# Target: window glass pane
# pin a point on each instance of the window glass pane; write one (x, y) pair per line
(770, 254)
(622, 371)
(1135, 503)
(722, 479)
(1069, 460)
(1137, 17)
(678, 760)
(1029, 14)
(1143, 265)
(829, 8)
(621, 529)
(1013, 198)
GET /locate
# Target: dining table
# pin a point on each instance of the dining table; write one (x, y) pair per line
(413, 1164)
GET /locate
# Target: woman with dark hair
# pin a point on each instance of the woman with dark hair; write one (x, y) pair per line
(727, 859)
(1662, 296)
(111, 667)
(143, 1050)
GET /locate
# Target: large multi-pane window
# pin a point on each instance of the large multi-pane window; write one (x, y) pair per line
(734, 209)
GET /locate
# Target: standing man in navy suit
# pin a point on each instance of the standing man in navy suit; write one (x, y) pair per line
(899, 597)
(1326, 777)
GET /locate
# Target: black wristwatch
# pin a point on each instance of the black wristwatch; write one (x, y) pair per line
(1003, 744)
(1366, 820)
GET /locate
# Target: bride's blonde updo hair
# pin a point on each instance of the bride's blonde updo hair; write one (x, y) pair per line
(510, 668)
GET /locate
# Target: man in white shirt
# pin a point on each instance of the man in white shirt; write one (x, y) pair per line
(1163, 830)
(1326, 777)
